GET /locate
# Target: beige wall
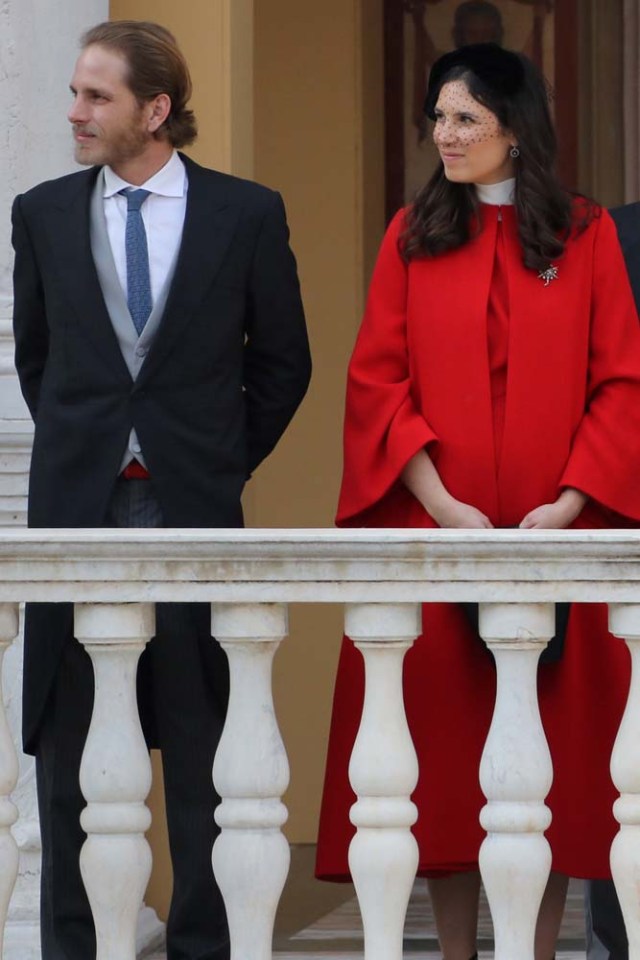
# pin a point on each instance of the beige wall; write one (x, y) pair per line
(212, 34)
(315, 132)
(318, 139)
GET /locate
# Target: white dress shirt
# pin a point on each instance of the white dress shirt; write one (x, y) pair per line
(162, 214)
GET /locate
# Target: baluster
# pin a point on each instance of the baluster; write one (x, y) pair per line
(624, 622)
(250, 773)
(115, 775)
(9, 855)
(383, 855)
(515, 776)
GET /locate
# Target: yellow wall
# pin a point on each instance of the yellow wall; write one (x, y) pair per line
(318, 139)
(316, 128)
(217, 39)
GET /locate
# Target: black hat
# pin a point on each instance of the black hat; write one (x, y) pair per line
(499, 69)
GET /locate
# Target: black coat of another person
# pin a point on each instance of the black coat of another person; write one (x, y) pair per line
(627, 220)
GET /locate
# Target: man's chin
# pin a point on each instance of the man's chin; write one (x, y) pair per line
(83, 154)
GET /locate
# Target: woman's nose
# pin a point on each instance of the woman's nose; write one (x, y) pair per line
(442, 132)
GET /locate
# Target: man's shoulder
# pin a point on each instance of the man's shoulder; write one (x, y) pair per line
(627, 219)
(58, 190)
(236, 189)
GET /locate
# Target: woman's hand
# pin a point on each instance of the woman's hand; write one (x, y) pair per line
(421, 478)
(452, 513)
(558, 515)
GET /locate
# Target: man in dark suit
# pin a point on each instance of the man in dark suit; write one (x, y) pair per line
(606, 934)
(162, 350)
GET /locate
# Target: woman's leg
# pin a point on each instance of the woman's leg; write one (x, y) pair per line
(550, 916)
(455, 907)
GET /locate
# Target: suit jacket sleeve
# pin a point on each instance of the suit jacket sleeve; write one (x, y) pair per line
(383, 428)
(29, 318)
(277, 363)
(605, 455)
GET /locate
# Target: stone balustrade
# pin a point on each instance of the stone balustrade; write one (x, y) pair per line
(381, 577)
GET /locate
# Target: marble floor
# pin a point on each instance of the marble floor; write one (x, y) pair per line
(319, 920)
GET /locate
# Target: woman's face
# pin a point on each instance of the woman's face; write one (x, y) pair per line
(473, 146)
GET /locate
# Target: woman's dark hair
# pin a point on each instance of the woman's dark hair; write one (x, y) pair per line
(155, 65)
(443, 214)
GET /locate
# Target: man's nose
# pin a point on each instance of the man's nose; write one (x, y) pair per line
(76, 114)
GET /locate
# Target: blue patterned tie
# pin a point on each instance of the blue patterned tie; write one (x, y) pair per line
(135, 242)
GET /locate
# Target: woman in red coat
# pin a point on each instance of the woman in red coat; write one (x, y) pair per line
(495, 382)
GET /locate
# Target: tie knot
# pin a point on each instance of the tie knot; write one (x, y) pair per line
(135, 198)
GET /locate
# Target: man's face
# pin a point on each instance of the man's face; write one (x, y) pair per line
(109, 125)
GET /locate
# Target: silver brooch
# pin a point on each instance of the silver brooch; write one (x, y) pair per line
(551, 273)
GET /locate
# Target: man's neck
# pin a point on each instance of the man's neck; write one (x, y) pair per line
(138, 170)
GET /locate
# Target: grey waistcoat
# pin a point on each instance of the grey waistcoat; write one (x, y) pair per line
(134, 348)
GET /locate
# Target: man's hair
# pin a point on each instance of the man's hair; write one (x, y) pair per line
(155, 65)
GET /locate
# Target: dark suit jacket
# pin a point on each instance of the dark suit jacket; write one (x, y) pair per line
(627, 220)
(227, 369)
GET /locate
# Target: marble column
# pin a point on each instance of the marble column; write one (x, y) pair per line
(38, 50)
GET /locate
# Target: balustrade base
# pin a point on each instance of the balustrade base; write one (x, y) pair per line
(150, 933)
(22, 937)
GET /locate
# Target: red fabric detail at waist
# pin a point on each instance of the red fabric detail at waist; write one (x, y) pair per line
(135, 471)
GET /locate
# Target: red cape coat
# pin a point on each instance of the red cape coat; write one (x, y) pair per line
(419, 377)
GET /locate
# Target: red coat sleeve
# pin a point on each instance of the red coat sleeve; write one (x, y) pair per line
(605, 455)
(383, 429)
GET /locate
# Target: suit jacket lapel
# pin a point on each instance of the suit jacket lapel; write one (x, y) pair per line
(208, 229)
(68, 226)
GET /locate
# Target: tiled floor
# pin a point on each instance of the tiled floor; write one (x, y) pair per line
(317, 921)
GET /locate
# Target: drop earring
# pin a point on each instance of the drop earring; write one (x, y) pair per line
(514, 152)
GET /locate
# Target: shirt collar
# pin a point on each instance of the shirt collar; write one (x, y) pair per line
(169, 181)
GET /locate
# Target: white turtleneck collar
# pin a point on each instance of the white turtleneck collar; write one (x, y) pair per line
(497, 193)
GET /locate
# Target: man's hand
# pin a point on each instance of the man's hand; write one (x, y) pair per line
(558, 515)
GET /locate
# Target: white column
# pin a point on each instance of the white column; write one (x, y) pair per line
(383, 855)
(8, 778)
(39, 43)
(115, 775)
(624, 622)
(250, 773)
(515, 776)
(37, 54)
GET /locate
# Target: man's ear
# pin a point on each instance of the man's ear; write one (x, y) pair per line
(159, 110)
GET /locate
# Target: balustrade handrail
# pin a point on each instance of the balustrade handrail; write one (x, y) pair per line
(319, 565)
(382, 577)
